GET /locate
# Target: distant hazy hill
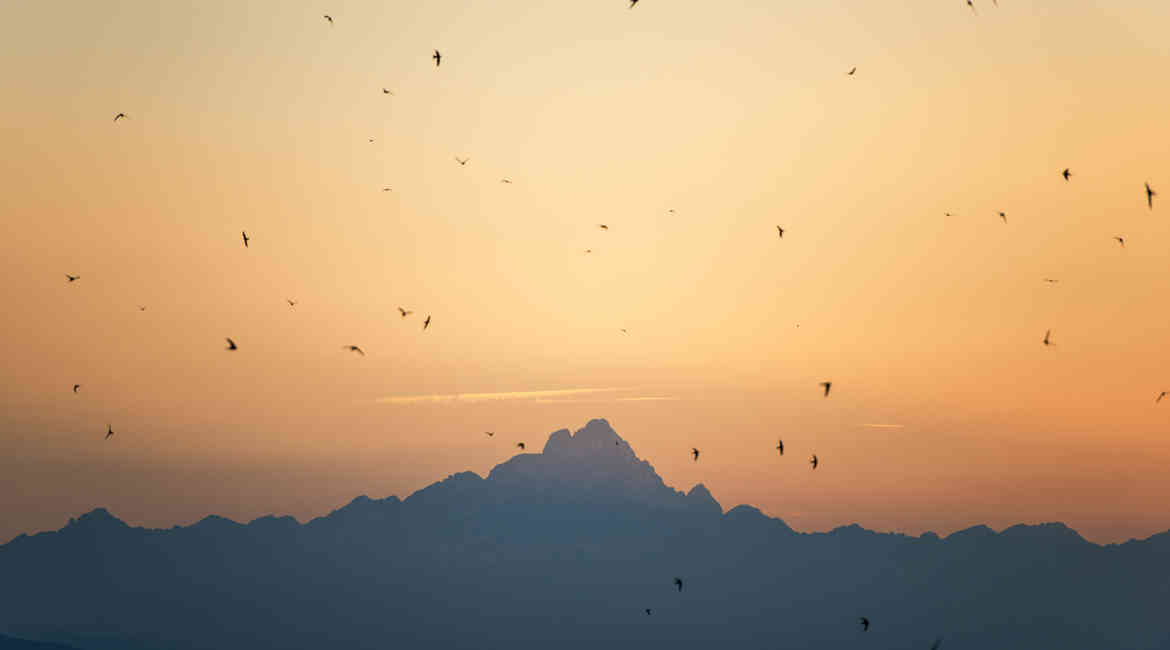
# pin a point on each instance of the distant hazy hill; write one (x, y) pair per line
(566, 549)
(9, 643)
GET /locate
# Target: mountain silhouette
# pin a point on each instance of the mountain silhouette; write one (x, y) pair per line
(567, 548)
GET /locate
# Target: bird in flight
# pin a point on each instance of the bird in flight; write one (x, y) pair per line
(76, 387)
(521, 445)
(814, 462)
(1051, 280)
(371, 139)
(678, 583)
(329, 18)
(1160, 395)
(353, 348)
(119, 116)
(864, 623)
(603, 226)
(72, 278)
(1120, 240)
(386, 91)
(851, 71)
(386, 189)
(461, 161)
(437, 57)
(1150, 194)
(1048, 337)
(490, 433)
(1003, 216)
(291, 303)
(695, 453)
(780, 447)
(648, 611)
(1066, 173)
(231, 345)
(828, 385)
(109, 431)
(246, 238)
(427, 322)
(506, 180)
(632, 3)
(624, 331)
(141, 307)
(588, 250)
(404, 312)
(972, 5)
(948, 214)
(780, 232)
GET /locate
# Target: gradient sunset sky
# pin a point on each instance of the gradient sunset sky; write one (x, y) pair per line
(691, 129)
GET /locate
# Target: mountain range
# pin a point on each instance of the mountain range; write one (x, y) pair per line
(568, 548)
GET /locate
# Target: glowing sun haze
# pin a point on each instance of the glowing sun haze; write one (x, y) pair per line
(691, 129)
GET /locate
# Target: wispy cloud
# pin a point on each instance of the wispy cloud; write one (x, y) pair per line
(885, 426)
(541, 395)
(649, 398)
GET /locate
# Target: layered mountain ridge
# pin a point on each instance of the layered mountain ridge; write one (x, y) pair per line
(569, 546)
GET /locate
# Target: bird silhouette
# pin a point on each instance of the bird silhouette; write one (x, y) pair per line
(521, 445)
(329, 18)
(427, 322)
(678, 583)
(972, 5)
(1066, 173)
(949, 214)
(864, 623)
(648, 611)
(370, 139)
(1048, 337)
(1003, 216)
(119, 116)
(386, 91)
(828, 385)
(404, 312)
(490, 433)
(291, 303)
(76, 387)
(246, 238)
(141, 307)
(603, 226)
(353, 348)
(1150, 194)
(231, 345)
(780, 232)
(780, 447)
(1120, 240)
(588, 250)
(109, 431)
(506, 180)
(624, 331)
(1051, 280)
(387, 189)
(1160, 395)
(461, 161)
(852, 71)
(695, 453)
(437, 57)
(72, 278)
(814, 462)
(632, 3)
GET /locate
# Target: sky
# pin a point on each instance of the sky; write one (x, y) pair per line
(692, 129)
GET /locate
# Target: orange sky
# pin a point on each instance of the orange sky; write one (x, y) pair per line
(738, 116)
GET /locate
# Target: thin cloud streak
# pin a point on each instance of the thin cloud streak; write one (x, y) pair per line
(661, 398)
(490, 397)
